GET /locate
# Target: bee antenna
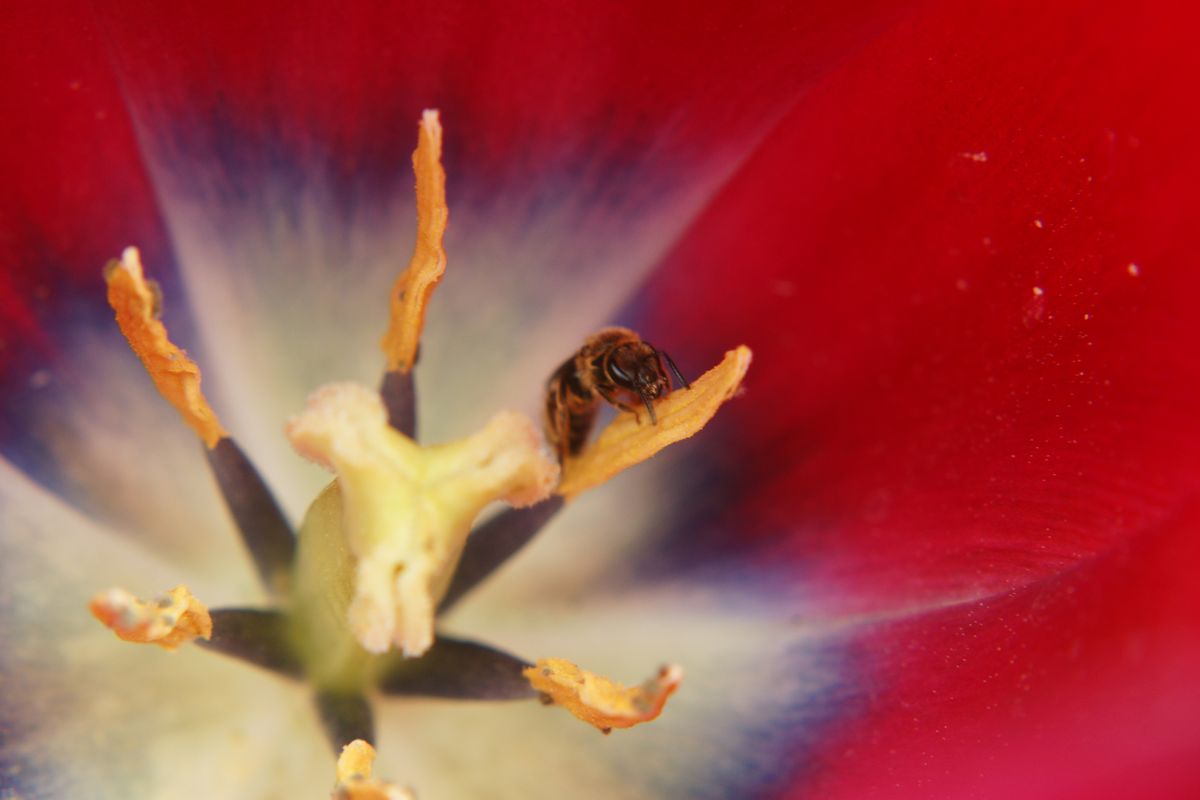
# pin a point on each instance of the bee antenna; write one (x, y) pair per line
(675, 370)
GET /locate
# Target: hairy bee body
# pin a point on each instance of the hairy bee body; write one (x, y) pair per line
(614, 365)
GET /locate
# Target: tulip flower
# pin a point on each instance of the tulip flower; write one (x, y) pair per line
(941, 542)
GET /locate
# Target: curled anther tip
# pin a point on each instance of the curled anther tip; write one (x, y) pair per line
(169, 622)
(599, 701)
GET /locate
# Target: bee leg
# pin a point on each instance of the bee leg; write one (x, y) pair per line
(557, 419)
(650, 410)
(563, 431)
(621, 406)
(675, 370)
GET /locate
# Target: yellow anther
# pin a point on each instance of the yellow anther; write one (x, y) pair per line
(176, 376)
(169, 622)
(599, 701)
(406, 510)
(415, 285)
(354, 781)
(682, 413)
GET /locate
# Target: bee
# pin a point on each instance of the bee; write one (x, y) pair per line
(613, 365)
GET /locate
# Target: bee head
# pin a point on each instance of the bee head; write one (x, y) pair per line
(637, 367)
(650, 379)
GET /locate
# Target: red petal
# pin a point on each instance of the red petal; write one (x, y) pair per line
(522, 79)
(541, 89)
(963, 264)
(75, 192)
(1082, 685)
(966, 265)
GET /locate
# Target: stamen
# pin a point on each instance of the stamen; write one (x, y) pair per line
(379, 545)
(415, 285)
(599, 701)
(493, 543)
(354, 768)
(177, 378)
(681, 414)
(169, 622)
(460, 670)
(406, 509)
(400, 398)
(346, 716)
(256, 636)
(260, 520)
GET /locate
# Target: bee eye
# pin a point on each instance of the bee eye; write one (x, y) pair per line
(617, 374)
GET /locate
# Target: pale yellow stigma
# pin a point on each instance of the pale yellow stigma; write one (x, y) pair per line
(599, 701)
(415, 285)
(177, 378)
(168, 622)
(354, 781)
(407, 509)
(681, 414)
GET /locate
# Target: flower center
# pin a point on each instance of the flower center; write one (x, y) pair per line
(390, 542)
(378, 548)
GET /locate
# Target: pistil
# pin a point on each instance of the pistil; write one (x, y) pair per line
(406, 510)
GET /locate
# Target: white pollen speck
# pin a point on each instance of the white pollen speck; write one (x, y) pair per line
(1038, 291)
(1133, 269)
(1087, 316)
(980, 158)
(1037, 223)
